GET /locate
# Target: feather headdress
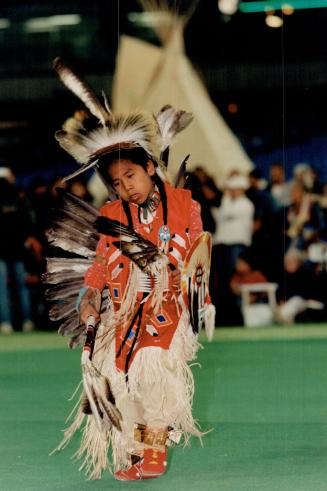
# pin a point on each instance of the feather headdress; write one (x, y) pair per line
(113, 131)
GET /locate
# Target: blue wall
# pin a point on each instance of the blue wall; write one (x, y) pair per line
(313, 152)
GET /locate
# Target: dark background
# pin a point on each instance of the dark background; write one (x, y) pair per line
(276, 77)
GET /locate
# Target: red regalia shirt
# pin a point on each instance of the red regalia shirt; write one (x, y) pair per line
(143, 327)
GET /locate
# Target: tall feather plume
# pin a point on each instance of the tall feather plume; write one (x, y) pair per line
(171, 122)
(180, 179)
(88, 145)
(81, 90)
(106, 103)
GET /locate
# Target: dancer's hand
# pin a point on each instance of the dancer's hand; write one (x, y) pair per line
(90, 305)
(86, 311)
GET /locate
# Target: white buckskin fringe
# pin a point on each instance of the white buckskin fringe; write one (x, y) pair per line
(130, 294)
(152, 365)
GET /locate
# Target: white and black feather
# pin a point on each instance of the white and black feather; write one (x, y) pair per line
(133, 245)
(171, 122)
(81, 90)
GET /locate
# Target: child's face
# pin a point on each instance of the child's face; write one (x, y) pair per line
(131, 181)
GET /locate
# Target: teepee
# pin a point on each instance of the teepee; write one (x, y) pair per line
(149, 77)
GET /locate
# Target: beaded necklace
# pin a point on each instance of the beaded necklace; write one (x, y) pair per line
(147, 209)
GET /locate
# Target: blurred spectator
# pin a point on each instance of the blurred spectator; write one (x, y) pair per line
(56, 182)
(234, 217)
(16, 226)
(208, 185)
(246, 274)
(234, 225)
(78, 187)
(207, 196)
(262, 199)
(323, 205)
(323, 198)
(303, 218)
(279, 188)
(317, 185)
(305, 174)
(41, 202)
(265, 209)
(301, 290)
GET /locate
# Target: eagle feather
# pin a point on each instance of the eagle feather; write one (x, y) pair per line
(81, 90)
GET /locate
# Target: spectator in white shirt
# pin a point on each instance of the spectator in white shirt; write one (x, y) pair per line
(234, 227)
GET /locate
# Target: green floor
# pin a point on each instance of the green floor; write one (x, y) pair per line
(263, 392)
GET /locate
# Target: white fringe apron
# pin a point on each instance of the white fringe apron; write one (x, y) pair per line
(159, 393)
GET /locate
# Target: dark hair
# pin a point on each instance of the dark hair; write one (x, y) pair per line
(140, 157)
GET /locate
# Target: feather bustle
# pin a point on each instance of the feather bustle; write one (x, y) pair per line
(71, 327)
(65, 264)
(76, 205)
(61, 311)
(63, 292)
(60, 277)
(69, 245)
(66, 219)
(66, 231)
(77, 340)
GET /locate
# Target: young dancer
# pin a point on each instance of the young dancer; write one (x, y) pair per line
(138, 387)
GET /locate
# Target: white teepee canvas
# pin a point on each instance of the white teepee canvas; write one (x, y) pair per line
(149, 77)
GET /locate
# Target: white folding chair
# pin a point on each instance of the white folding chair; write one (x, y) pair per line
(258, 314)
